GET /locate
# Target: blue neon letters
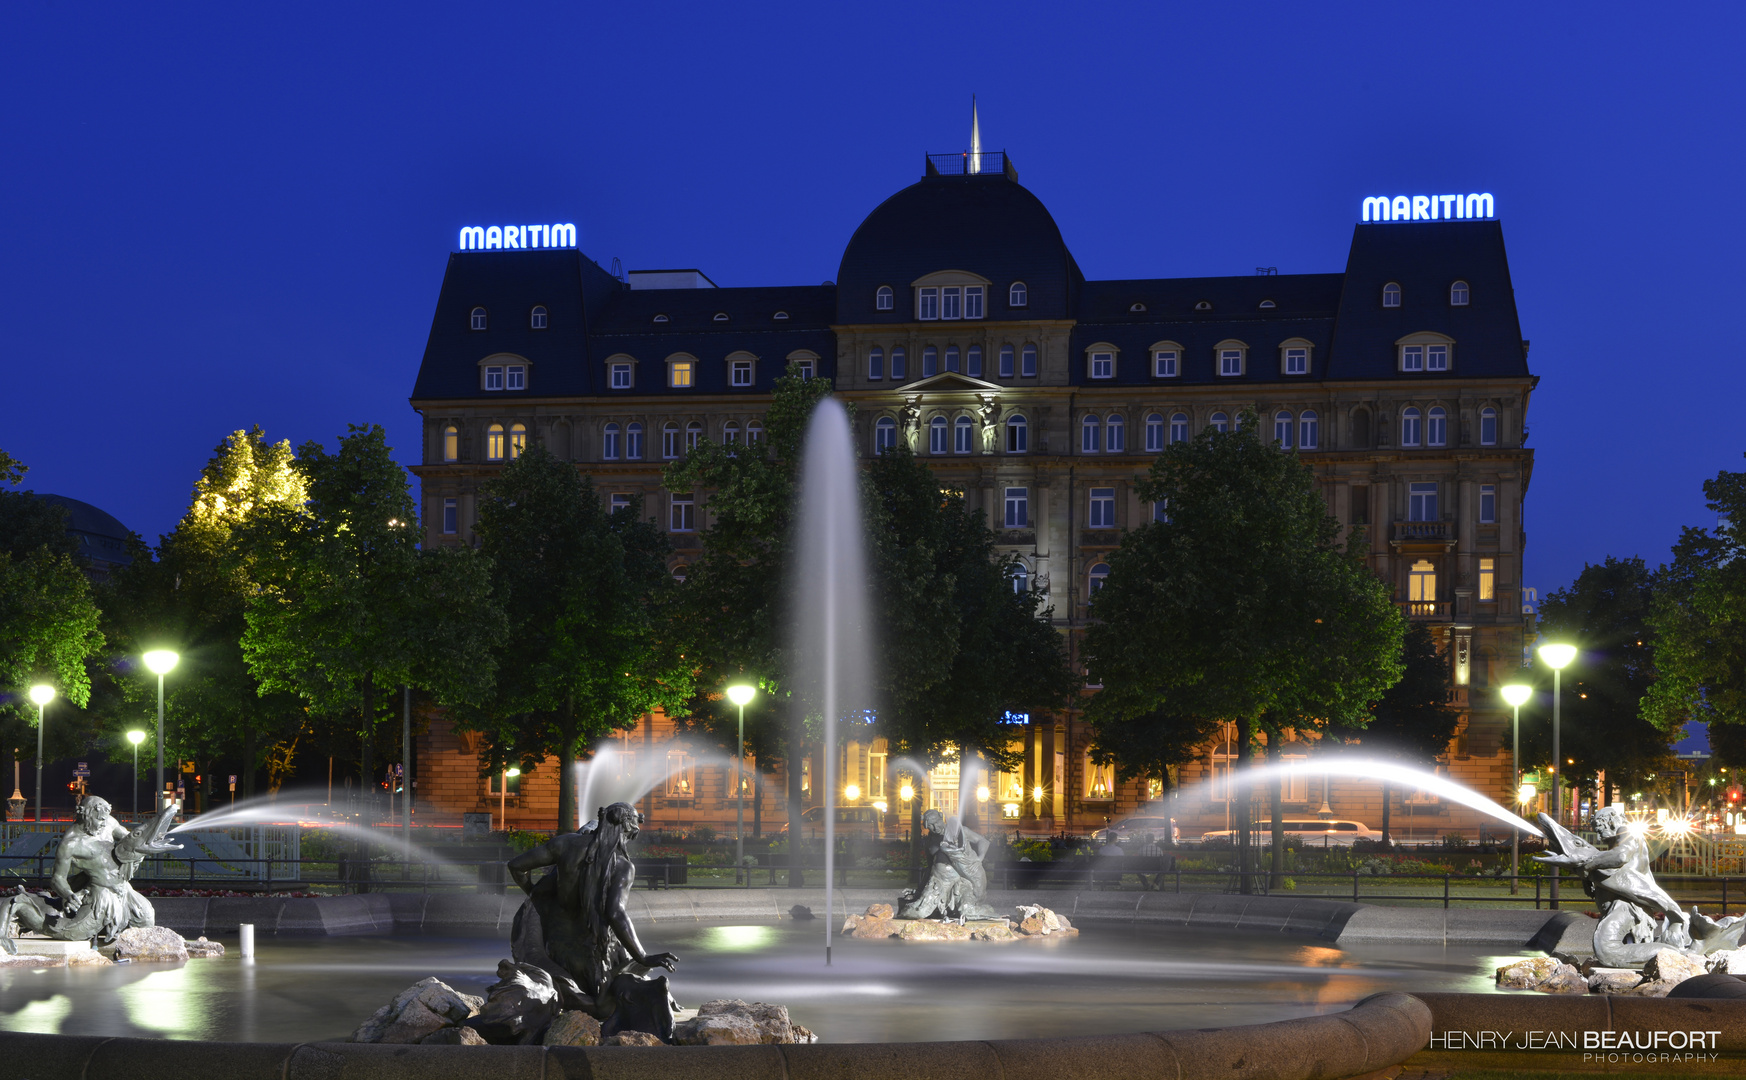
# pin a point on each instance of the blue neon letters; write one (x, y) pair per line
(487, 238)
(1430, 207)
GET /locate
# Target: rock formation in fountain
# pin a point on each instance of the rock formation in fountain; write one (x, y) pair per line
(957, 885)
(1638, 918)
(93, 892)
(575, 929)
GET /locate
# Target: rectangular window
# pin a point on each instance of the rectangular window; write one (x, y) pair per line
(681, 781)
(1297, 361)
(1437, 358)
(930, 361)
(1230, 361)
(1006, 368)
(1102, 509)
(1487, 581)
(1028, 362)
(973, 301)
(517, 377)
(1360, 505)
(803, 368)
(679, 373)
(621, 500)
(951, 358)
(1102, 365)
(621, 376)
(1488, 427)
(1161, 510)
(741, 373)
(1412, 358)
(1488, 504)
(633, 442)
(1309, 435)
(1164, 364)
(1178, 428)
(1422, 502)
(451, 515)
(1018, 508)
(928, 304)
(681, 511)
(493, 378)
(451, 444)
(1422, 587)
(898, 363)
(496, 785)
(952, 303)
(876, 364)
(973, 361)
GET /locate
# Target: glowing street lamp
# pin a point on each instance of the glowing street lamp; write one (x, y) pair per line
(503, 795)
(741, 694)
(160, 662)
(136, 737)
(1557, 657)
(1517, 694)
(852, 792)
(1526, 794)
(42, 694)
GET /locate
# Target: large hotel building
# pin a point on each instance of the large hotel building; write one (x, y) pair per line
(960, 323)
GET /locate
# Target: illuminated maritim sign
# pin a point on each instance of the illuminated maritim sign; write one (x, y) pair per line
(1475, 207)
(517, 237)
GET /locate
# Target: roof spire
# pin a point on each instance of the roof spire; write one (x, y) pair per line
(975, 138)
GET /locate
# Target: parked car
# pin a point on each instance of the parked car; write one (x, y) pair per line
(1134, 830)
(858, 822)
(1308, 832)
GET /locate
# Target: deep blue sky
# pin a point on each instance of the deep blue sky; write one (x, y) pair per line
(238, 216)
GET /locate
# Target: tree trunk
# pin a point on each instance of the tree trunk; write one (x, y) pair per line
(567, 770)
(1276, 808)
(1387, 805)
(366, 786)
(796, 878)
(1239, 794)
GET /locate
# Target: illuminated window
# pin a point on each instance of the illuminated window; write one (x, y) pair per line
(927, 305)
(884, 435)
(882, 300)
(1154, 433)
(1219, 422)
(1422, 588)
(740, 373)
(1436, 427)
(515, 377)
(1488, 427)
(494, 378)
(680, 514)
(478, 318)
(1018, 508)
(609, 443)
(754, 433)
(1391, 295)
(1090, 434)
(1165, 363)
(1006, 365)
(537, 318)
(951, 358)
(973, 296)
(1458, 294)
(681, 784)
(1282, 429)
(451, 443)
(1179, 427)
(1018, 295)
(494, 443)
(1488, 504)
(1096, 576)
(1411, 425)
(973, 361)
(517, 440)
(930, 361)
(937, 435)
(1028, 361)
(693, 435)
(1103, 365)
(621, 376)
(898, 363)
(1099, 781)
(876, 363)
(963, 435)
(450, 514)
(670, 441)
(633, 442)
(679, 374)
(1487, 581)
(1422, 502)
(1115, 438)
(1102, 514)
(1309, 432)
(1016, 433)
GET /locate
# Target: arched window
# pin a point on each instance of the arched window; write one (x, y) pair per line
(937, 435)
(633, 442)
(1018, 295)
(537, 318)
(884, 434)
(670, 440)
(1016, 434)
(882, 300)
(1436, 427)
(1409, 427)
(1488, 426)
(973, 361)
(1096, 577)
(1115, 434)
(1309, 430)
(963, 435)
(478, 318)
(451, 443)
(517, 440)
(951, 358)
(1090, 434)
(494, 443)
(876, 363)
(609, 443)
(1021, 578)
(1459, 294)
(1361, 428)
(1391, 295)
(1154, 433)
(1219, 422)
(898, 363)
(1179, 427)
(754, 433)
(1282, 429)
(730, 434)
(693, 435)
(930, 361)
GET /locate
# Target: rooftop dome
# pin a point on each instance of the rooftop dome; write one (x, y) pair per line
(983, 224)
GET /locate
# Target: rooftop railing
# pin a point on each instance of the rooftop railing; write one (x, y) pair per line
(968, 164)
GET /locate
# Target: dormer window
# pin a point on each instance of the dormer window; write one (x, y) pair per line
(1391, 295)
(1166, 360)
(1458, 294)
(973, 301)
(515, 377)
(537, 318)
(494, 377)
(1231, 356)
(927, 306)
(1203, 305)
(1294, 356)
(721, 316)
(1101, 362)
(661, 318)
(1425, 351)
(679, 374)
(478, 318)
(1268, 305)
(952, 302)
(781, 316)
(883, 299)
(1018, 295)
(1136, 308)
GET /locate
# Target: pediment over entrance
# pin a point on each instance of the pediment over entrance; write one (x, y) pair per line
(950, 382)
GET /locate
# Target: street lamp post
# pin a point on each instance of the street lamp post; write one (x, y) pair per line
(503, 795)
(1557, 657)
(42, 694)
(161, 662)
(136, 737)
(741, 695)
(1517, 695)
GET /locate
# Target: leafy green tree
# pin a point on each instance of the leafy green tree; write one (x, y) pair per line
(1699, 620)
(347, 608)
(1243, 606)
(49, 624)
(581, 589)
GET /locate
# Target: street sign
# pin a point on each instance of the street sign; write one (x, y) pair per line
(233, 780)
(83, 771)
